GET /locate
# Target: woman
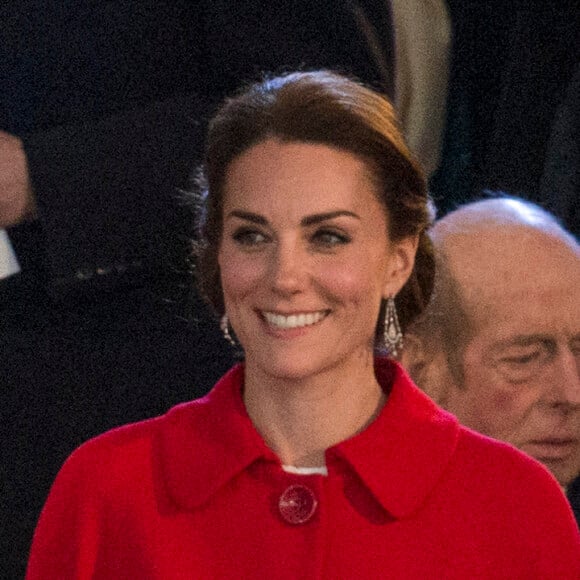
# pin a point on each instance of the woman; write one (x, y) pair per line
(313, 458)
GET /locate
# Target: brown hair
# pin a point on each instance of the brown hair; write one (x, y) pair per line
(326, 108)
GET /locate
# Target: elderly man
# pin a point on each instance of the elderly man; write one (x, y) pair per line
(500, 344)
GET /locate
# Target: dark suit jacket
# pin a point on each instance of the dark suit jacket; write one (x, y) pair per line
(560, 183)
(111, 99)
(573, 494)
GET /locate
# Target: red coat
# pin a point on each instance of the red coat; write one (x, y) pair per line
(197, 494)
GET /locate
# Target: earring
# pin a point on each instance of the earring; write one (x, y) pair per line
(393, 337)
(225, 328)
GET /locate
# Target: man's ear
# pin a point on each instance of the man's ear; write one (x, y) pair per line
(429, 370)
(414, 358)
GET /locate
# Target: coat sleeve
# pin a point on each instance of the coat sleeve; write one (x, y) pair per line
(110, 102)
(108, 192)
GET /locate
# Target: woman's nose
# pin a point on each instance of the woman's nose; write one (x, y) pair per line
(288, 269)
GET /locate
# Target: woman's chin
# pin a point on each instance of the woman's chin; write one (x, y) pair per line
(286, 368)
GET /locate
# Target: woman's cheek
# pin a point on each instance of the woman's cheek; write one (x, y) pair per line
(240, 274)
(348, 279)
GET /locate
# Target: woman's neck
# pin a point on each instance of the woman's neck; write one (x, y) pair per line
(299, 419)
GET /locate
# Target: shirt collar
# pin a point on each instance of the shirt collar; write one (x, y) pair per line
(399, 457)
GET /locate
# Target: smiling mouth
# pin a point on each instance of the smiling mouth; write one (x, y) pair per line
(283, 322)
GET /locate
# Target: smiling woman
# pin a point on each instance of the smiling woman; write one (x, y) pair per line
(316, 457)
(323, 109)
(305, 239)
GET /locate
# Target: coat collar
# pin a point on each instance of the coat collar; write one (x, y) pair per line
(205, 443)
(401, 456)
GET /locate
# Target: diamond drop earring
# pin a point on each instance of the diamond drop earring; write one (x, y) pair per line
(393, 337)
(225, 328)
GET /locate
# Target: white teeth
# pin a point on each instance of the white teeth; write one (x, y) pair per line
(294, 320)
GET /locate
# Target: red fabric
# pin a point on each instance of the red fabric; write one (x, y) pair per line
(194, 494)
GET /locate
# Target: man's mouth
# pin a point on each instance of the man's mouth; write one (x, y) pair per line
(551, 448)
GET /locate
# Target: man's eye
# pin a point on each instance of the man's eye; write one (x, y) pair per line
(522, 359)
(249, 237)
(521, 367)
(330, 238)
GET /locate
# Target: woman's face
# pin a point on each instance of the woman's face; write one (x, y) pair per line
(305, 258)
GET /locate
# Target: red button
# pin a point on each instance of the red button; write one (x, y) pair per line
(297, 504)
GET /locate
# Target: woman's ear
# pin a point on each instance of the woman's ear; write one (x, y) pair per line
(402, 259)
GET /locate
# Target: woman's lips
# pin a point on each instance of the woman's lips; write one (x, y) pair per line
(291, 321)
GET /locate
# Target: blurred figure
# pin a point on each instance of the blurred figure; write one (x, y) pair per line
(512, 106)
(499, 345)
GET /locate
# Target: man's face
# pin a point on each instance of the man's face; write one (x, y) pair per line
(521, 367)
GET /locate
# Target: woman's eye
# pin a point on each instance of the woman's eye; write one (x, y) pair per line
(329, 238)
(249, 237)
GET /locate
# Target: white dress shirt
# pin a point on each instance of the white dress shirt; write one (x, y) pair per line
(8, 261)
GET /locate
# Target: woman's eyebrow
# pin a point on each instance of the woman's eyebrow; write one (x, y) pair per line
(320, 217)
(249, 216)
(307, 221)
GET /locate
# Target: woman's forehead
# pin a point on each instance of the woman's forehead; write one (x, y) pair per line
(301, 178)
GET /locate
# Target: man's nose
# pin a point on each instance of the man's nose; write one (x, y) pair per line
(565, 379)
